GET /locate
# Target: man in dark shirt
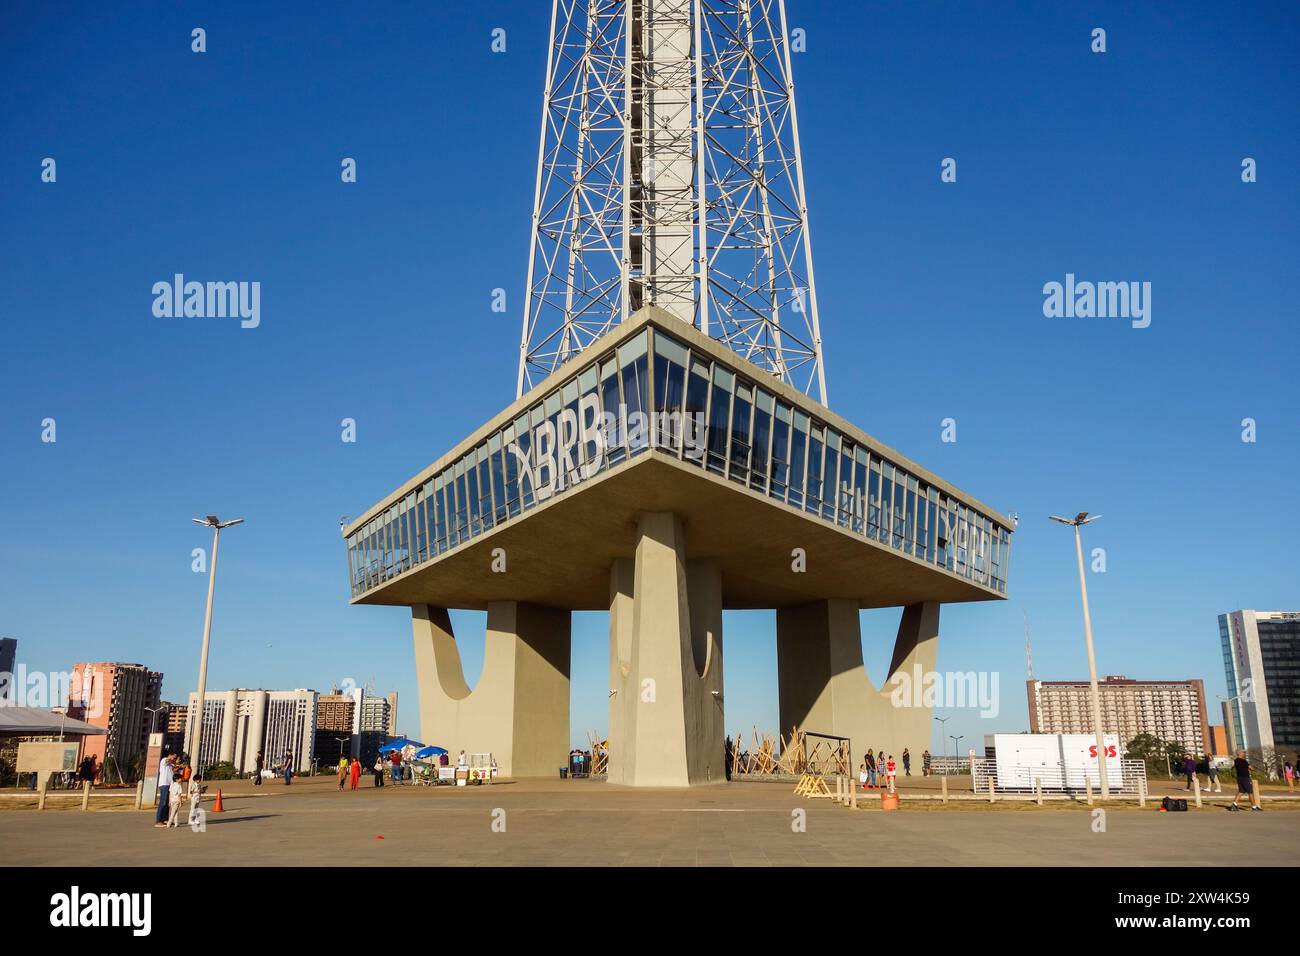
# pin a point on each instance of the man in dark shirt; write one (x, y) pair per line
(1244, 784)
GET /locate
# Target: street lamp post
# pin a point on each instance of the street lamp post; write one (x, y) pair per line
(956, 742)
(942, 722)
(196, 719)
(1077, 522)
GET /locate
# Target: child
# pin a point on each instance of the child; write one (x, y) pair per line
(174, 809)
(195, 793)
(862, 774)
(891, 772)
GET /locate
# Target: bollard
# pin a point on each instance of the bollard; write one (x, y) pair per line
(1196, 788)
(139, 795)
(40, 801)
(1038, 791)
(1088, 781)
(853, 796)
(85, 795)
(943, 786)
(1142, 792)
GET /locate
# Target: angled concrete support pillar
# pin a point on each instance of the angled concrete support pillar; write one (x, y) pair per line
(824, 687)
(665, 629)
(520, 709)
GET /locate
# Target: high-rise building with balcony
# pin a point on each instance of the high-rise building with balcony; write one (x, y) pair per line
(117, 697)
(1168, 709)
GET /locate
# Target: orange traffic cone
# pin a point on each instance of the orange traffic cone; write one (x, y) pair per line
(217, 807)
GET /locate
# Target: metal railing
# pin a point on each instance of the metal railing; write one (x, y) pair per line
(1057, 779)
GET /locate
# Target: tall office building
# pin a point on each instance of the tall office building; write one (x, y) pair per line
(374, 722)
(1170, 710)
(239, 723)
(335, 716)
(1261, 660)
(118, 697)
(174, 730)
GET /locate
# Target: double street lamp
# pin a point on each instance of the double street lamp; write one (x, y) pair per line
(196, 718)
(1078, 521)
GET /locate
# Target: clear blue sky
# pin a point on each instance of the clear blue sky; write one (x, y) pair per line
(376, 306)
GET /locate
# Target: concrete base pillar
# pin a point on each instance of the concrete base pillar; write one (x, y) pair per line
(665, 630)
(824, 687)
(519, 712)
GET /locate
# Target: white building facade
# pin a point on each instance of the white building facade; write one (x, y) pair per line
(239, 723)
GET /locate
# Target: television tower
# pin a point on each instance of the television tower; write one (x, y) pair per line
(669, 174)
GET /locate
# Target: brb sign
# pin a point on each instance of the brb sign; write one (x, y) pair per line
(575, 443)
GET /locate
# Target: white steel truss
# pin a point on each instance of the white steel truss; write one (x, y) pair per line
(669, 174)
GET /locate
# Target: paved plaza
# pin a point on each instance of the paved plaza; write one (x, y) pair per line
(581, 822)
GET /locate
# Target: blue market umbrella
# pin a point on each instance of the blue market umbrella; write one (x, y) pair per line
(429, 752)
(401, 743)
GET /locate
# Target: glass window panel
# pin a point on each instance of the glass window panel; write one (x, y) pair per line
(611, 403)
(741, 411)
(860, 491)
(633, 362)
(697, 406)
(909, 517)
(844, 487)
(798, 457)
(762, 439)
(886, 501)
(781, 452)
(719, 416)
(670, 391)
(813, 482)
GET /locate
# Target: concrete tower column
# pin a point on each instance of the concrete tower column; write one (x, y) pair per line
(666, 721)
(229, 721)
(520, 709)
(824, 686)
(256, 732)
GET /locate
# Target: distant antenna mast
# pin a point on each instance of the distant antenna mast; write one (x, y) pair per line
(1029, 656)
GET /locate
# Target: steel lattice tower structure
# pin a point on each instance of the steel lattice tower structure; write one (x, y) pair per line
(669, 174)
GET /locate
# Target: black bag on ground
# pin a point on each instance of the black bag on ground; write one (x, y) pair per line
(1173, 804)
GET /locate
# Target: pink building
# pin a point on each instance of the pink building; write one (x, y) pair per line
(115, 696)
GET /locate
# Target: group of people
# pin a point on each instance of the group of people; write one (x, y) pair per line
(283, 769)
(878, 771)
(400, 770)
(177, 783)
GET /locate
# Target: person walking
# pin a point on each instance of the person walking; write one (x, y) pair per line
(907, 763)
(355, 772)
(257, 769)
(87, 770)
(871, 770)
(395, 759)
(288, 768)
(1189, 770)
(1288, 771)
(1212, 775)
(1244, 784)
(925, 762)
(165, 777)
(378, 770)
(342, 770)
